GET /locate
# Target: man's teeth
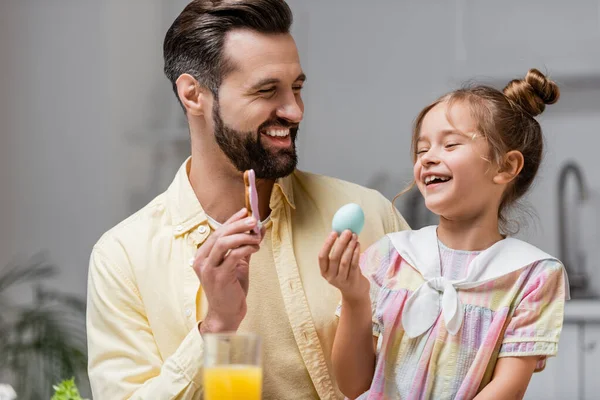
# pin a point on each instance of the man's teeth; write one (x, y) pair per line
(431, 178)
(278, 132)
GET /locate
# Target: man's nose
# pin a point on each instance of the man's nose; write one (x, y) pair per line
(292, 109)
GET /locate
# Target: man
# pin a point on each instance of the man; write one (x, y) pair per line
(186, 265)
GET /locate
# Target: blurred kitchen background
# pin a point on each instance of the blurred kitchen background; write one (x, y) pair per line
(90, 130)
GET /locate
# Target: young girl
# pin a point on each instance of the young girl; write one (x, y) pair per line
(458, 310)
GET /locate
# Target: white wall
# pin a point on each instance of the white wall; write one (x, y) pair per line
(54, 132)
(372, 66)
(82, 94)
(6, 124)
(88, 121)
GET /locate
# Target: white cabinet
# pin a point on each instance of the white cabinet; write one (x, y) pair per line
(591, 349)
(559, 379)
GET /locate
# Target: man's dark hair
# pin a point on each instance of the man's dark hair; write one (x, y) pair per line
(194, 42)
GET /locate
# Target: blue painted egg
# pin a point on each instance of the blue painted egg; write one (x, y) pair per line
(350, 216)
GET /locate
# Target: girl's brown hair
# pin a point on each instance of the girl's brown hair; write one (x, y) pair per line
(506, 119)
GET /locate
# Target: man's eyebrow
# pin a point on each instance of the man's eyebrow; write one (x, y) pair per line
(264, 82)
(301, 77)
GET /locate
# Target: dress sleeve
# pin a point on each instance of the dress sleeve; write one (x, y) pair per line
(535, 327)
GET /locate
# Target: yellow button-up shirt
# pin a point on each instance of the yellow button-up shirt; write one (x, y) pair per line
(145, 301)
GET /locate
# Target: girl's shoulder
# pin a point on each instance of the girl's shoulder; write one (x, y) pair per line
(385, 266)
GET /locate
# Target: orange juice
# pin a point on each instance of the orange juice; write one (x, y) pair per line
(233, 382)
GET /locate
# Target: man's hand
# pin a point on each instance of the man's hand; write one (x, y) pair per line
(222, 264)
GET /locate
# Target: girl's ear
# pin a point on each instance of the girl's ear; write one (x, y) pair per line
(510, 168)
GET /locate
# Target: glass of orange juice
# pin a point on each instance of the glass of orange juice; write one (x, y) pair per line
(232, 366)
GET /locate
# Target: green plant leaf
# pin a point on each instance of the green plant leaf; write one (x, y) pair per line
(19, 273)
(43, 342)
(66, 390)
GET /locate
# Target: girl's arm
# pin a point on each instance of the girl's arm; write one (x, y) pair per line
(353, 352)
(541, 310)
(510, 380)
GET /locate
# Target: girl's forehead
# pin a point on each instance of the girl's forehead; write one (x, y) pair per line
(449, 118)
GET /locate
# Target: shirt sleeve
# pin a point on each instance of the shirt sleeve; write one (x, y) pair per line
(398, 222)
(535, 327)
(392, 220)
(123, 357)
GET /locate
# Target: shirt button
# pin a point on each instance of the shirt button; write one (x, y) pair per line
(188, 312)
(202, 229)
(179, 229)
(191, 262)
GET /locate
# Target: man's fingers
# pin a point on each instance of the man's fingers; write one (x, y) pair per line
(236, 255)
(234, 225)
(237, 216)
(227, 244)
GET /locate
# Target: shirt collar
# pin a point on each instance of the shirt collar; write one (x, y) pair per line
(283, 187)
(187, 211)
(184, 205)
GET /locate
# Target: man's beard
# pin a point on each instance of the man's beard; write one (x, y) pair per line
(246, 151)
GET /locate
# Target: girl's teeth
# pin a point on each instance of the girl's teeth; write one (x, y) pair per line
(433, 177)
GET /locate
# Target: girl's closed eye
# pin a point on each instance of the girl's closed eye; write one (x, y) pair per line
(452, 145)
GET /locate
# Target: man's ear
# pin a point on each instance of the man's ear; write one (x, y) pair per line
(510, 168)
(195, 98)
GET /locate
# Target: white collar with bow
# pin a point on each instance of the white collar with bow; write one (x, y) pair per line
(420, 249)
